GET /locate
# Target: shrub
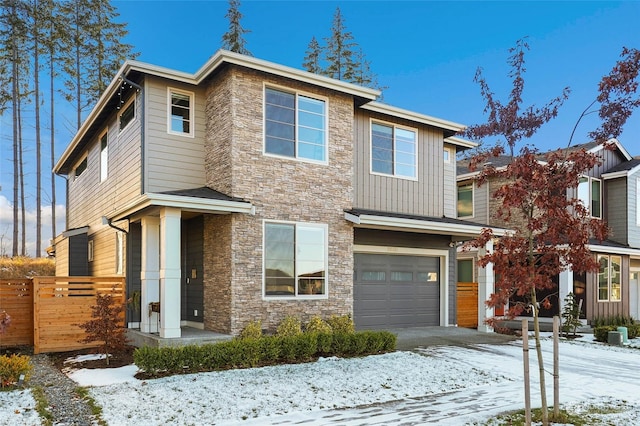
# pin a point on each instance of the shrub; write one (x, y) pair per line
(317, 325)
(618, 320)
(26, 267)
(12, 367)
(570, 315)
(342, 324)
(601, 333)
(266, 350)
(290, 326)
(253, 330)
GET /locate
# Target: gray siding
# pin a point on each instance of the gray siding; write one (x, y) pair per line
(634, 210)
(385, 193)
(615, 194)
(172, 161)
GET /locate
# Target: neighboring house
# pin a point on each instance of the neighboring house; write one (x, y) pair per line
(611, 191)
(252, 191)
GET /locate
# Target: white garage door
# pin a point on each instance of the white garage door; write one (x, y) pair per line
(392, 291)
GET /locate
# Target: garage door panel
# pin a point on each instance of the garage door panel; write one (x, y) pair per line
(408, 296)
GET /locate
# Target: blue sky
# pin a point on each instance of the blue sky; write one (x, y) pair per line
(425, 52)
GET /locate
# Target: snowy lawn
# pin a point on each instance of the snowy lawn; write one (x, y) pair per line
(445, 385)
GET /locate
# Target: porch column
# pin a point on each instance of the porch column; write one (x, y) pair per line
(150, 273)
(565, 286)
(170, 272)
(486, 286)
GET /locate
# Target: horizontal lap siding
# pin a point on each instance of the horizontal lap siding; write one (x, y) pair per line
(173, 161)
(386, 193)
(633, 210)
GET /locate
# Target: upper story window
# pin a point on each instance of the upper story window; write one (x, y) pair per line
(295, 125)
(80, 168)
(295, 259)
(590, 193)
(609, 278)
(180, 120)
(446, 155)
(127, 113)
(465, 200)
(394, 150)
(104, 157)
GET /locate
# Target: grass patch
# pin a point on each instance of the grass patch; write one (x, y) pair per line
(42, 406)
(96, 410)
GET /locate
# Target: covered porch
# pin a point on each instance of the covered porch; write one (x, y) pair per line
(164, 263)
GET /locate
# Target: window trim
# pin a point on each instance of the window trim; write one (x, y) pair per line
(609, 298)
(296, 296)
(394, 126)
(589, 181)
(104, 155)
(446, 155)
(191, 95)
(126, 105)
(473, 200)
(90, 247)
(85, 159)
(296, 94)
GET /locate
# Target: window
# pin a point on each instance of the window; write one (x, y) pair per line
(104, 157)
(609, 278)
(446, 155)
(295, 259)
(465, 200)
(80, 168)
(393, 151)
(90, 251)
(465, 271)
(295, 125)
(180, 121)
(590, 193)
(128, 113)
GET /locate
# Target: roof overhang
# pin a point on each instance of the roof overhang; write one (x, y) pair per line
(459, 142)
(621, 173)
(615, 142)
(421, 225)
(193, 204)
(450, 127)
(597, 248)
(219, 59)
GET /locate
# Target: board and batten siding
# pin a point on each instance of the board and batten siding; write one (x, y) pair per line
(424, 196)
(172, 161)
(615, 196)
(633, 216)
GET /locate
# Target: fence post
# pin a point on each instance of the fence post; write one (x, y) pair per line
(556, 368)
(525, 357)
(36, 315)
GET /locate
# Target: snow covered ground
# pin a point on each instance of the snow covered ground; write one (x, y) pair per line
(435, 385)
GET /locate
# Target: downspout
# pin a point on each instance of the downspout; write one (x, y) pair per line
(142, 126)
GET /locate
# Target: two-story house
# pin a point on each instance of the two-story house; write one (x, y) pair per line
(611, 191)
(251, 191)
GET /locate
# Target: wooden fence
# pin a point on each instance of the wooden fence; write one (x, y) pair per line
(467, 305)
(55, 307)
(16, 299)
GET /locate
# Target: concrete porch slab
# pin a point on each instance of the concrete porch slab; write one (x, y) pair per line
(189, 336)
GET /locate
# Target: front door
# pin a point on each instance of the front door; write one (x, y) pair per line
(192, 270)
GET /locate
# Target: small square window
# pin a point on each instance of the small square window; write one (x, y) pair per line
(394, 150)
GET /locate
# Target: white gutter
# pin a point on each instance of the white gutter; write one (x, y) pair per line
(414, 116)
(427, 226)
(614, 250)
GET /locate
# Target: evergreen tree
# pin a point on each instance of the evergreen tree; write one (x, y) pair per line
(233, 39)
(312, 57)
(339, 52)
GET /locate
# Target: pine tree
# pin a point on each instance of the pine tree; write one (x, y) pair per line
(233, 39)
(339, 52)
(312, 57)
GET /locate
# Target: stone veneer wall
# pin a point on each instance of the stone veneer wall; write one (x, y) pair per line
(281, 189)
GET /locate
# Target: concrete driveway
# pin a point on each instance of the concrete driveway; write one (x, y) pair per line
(412, 338)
